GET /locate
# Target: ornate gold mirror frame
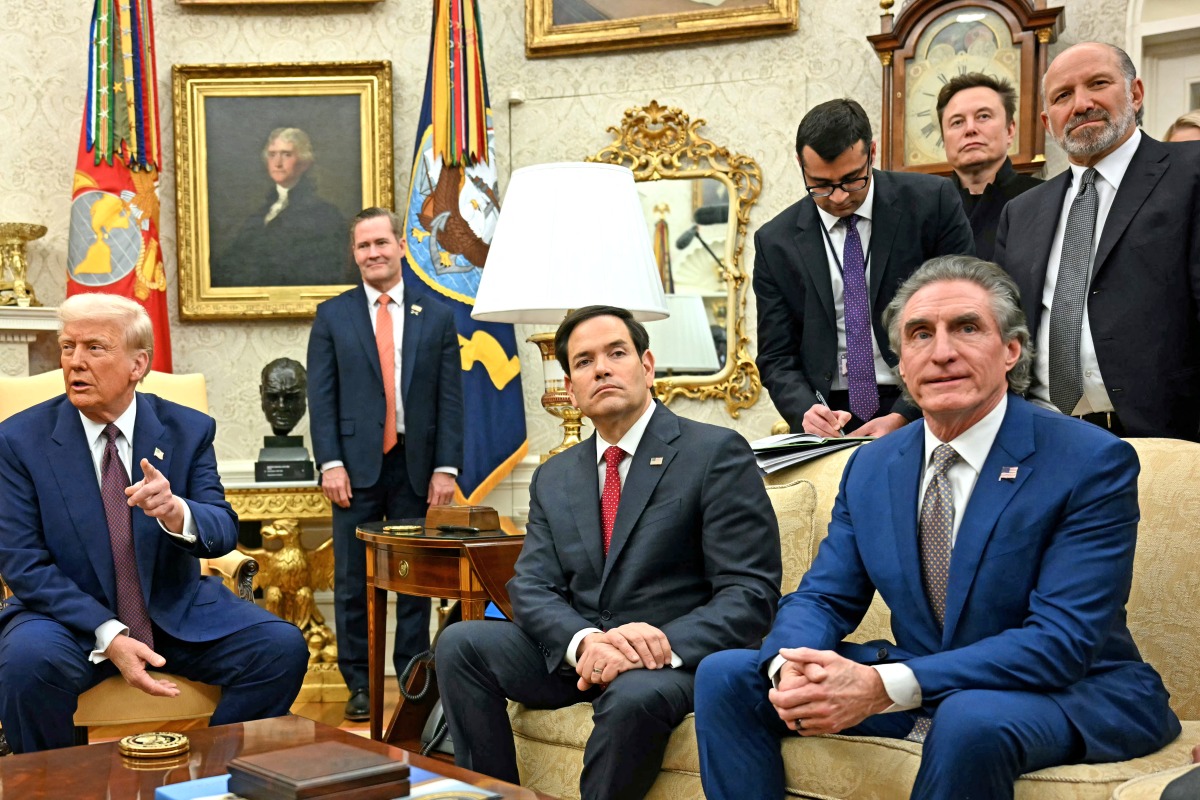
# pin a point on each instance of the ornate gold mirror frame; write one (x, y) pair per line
(661, 143)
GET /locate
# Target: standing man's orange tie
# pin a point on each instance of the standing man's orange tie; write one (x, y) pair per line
(385, 341)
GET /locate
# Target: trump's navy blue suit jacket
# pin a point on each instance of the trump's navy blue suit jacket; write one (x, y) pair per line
(54, 545)
(345, 388)
(1039, 578)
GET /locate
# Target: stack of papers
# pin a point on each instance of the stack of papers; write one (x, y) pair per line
(783, 450)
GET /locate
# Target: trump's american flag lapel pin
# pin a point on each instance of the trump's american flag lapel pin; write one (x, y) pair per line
(158, 454)
(1008, 474)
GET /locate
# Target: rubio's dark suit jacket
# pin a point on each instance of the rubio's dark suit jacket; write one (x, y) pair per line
(54, 547)
(914, 218)
(1038, 582)
(694, 551)
(1144, 299)
(345, 388)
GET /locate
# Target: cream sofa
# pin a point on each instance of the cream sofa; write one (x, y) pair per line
(1164, 607)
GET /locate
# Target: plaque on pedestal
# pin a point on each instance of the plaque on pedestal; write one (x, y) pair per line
(283, 458)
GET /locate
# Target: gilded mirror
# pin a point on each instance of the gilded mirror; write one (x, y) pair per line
(697, 197)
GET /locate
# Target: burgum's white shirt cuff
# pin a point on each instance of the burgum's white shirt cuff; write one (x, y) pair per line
(901, 686)
(448, 470)
(773, 670)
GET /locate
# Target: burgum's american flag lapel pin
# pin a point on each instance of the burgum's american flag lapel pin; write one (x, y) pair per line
(1008, 474)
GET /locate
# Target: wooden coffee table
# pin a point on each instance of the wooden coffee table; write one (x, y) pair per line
(99, 771)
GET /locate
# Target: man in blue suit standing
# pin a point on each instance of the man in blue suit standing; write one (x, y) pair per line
(105, 575)
(385, 393)
(1007, 582)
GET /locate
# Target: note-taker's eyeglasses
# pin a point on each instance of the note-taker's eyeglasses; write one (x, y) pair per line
(849, 187)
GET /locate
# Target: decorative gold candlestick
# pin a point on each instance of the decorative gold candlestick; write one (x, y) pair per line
(13, 238)
(555, 399)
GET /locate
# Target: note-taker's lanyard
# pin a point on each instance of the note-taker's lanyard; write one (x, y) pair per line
(832, 249)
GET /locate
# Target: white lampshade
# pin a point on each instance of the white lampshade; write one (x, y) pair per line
(569, 235)
(683, 343)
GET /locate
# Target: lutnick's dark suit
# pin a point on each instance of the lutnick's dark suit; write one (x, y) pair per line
(1144, 297)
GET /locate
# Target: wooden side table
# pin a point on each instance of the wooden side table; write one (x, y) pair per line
(472, 569)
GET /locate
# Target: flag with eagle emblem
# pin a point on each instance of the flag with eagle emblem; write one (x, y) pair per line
(113, 244)
(453, 204)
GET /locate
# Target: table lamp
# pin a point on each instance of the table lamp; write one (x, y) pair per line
(684, 343)
(569, 235)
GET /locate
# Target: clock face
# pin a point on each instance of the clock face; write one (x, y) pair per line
(959, 41)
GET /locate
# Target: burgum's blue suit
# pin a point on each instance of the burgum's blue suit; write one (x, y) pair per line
(346, 408)
(1035, 613)
(56, 557)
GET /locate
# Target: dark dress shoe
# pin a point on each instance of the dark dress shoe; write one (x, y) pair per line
(358, 707)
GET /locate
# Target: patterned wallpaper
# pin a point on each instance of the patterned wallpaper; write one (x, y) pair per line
(751, 92)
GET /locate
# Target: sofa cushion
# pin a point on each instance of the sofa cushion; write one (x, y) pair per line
(1166, 584)
(872, 768)
(550, 752)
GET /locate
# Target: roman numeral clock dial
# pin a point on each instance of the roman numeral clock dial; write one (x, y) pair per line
(934, 40)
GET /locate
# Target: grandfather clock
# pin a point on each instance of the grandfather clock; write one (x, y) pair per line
(933, 40)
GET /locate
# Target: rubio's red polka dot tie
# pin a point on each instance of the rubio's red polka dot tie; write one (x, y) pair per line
(611, 497)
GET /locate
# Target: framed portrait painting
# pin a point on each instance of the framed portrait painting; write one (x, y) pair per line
(272, 161)
(560, 27)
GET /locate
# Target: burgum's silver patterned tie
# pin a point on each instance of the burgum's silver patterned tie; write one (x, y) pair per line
(937, 523)
(1070, 295)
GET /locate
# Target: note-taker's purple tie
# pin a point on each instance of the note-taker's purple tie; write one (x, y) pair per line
(131, 608)
(860, 360)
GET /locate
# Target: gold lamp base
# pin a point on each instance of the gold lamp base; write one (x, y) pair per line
(13, 238)
(555, 399)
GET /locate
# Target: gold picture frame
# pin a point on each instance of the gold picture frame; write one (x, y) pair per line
(662, 144)
(245, 247)
(559, 27)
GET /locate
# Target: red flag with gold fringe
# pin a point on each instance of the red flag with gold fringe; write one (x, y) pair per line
(113, 246)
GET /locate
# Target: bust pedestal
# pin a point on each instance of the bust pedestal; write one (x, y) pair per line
(283, 458)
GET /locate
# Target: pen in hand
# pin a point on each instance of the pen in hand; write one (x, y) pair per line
(821, 400)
